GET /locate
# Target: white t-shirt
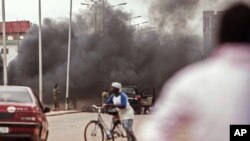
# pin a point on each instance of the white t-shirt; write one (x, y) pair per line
(124, 113)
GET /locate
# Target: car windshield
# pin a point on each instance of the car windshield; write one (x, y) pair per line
(129, 91)
(20, 96)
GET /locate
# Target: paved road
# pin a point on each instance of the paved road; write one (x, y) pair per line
(70, 127)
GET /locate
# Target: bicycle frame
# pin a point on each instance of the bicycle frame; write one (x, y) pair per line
(103, 124)
(105, 127)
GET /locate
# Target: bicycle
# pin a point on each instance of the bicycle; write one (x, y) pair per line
(96, 129)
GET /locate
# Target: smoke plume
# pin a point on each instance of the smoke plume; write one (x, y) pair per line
(117, 53)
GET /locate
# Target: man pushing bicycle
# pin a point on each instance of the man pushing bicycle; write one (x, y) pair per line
(119, 100)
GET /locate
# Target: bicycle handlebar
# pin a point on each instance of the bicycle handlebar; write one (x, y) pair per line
(99, 109)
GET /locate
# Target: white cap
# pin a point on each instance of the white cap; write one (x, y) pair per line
(117, 85)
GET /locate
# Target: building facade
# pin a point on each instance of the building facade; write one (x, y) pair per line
(15, 30)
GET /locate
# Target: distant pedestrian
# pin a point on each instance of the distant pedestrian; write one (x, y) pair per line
(105, 96)
(56, 93)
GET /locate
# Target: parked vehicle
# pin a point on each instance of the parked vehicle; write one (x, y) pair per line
(147, 99)
(22, 116)
(140, 101)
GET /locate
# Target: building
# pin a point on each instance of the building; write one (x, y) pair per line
(15, 30)
(210, 28)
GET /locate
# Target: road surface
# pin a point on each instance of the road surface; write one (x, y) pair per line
(70, 127)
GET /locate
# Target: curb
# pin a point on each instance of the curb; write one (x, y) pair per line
(63, 113)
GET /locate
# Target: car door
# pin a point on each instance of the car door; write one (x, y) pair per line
(147, 97)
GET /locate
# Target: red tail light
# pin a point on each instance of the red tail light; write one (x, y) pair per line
(26, 114)
(138, 97)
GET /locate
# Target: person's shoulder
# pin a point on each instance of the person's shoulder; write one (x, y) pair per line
(123, 94)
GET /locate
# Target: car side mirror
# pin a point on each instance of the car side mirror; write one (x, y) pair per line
(46, 110)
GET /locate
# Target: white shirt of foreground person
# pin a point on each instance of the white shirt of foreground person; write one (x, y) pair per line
(203, 100)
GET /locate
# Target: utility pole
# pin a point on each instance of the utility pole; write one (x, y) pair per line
(139, 25)
(95, 6)
(68, 63)
(18, 35)
(40, 55)
(5, 79)
(103, 8)
(130, 19)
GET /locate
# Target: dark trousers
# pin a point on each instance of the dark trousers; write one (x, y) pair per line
(56, 104)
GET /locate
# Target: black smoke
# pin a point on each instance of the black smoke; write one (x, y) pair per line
(116, 53)
(180, 44)
(173, 15)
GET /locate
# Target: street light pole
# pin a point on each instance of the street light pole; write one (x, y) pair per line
(95, 15)
(5, 79)
(103, 11)
(150, 28)
(95, 5)
(133, 18)
(103, 6)
(68, 63)
(18, 40)
(141, 24)
(40, 55)
(116, 5)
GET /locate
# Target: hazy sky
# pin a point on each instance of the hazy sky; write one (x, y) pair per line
(28, 9)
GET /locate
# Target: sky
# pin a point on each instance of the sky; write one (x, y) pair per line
(59, 9)
(56, 9)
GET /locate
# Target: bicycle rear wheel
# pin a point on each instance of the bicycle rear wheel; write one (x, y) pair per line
(93, 132)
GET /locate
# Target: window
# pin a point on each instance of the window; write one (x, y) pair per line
(10, 38)
(15, 96)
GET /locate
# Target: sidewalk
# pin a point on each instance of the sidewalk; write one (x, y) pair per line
(56, 113)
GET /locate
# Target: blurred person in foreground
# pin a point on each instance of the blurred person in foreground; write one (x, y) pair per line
(119, 100)
(201, 101)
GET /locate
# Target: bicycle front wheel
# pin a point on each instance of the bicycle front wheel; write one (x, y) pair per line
(93, 132)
